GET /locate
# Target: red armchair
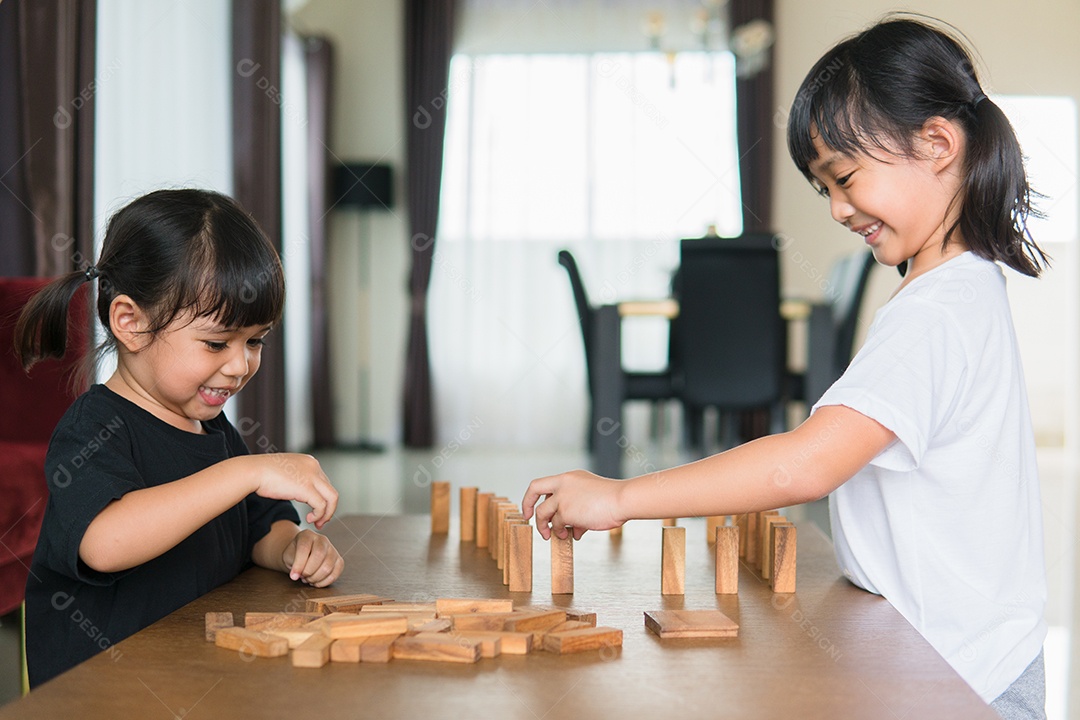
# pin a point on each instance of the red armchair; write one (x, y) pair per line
(30, 406)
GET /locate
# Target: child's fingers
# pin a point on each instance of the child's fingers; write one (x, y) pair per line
(537, 489)
(328, 572)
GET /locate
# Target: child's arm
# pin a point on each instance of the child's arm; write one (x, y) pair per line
(804, 464)
(304, 554)
(145, 523)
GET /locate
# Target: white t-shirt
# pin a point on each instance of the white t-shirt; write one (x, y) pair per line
(946, 522)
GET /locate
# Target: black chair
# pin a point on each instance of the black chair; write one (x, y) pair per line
(638, 385)
(729, 337)
(832, 326)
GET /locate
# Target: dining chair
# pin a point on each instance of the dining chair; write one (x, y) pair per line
(652, 386)
(730, 339)
(832, 326)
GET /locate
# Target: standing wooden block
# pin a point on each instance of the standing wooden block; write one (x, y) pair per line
(783, 557)
(468, 514)
(463, 606)
(378, 648)
(493, 524)
(740, 521)
(313, 652)
(711, 523)
(616, 532)
(727, 560)
(483, 503)
(671, 522)
(436, 647)
(217, 621)
(562, 565)
(574, 641)
(346, 650)
(510, 519)
(251, 642)
(440, 508)
(498, 548)
(753, 554)
(673, 562)
(521, 560)
(767, 523)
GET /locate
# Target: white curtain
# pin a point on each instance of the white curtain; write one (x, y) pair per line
(612, 156)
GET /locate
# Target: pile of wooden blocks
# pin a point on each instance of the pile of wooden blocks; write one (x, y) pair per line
(369, 628)
(497, 524)
(767, 542)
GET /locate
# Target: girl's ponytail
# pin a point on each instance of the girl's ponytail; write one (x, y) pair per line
(995, 195)
(41, 331)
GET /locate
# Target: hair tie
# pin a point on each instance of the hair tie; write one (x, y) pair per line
(978, 99)
(91, 273)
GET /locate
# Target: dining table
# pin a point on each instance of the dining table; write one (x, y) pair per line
(828, 650)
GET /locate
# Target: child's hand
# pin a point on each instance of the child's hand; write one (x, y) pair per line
(294, 476)
(313, 559)
(577, 500)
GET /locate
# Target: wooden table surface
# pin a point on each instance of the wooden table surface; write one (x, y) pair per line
(828, 651)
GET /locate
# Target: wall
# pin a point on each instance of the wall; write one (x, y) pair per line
(367, 254)
(1035, 56)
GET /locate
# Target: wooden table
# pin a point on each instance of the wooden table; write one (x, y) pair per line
(829, 651)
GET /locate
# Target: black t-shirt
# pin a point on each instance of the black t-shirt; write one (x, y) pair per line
(103, 447)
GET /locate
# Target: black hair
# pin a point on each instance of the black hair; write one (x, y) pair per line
(877, 89)
(173, 252)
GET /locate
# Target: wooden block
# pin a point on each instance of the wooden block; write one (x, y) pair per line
(673, 562)
(783, 557)
(431, 626)
(671, 522)
(490, 643)
(510, 643)
(217, 621)
(251, 642)
(360, 625)
(765, 542)
(378, 648)
(294, 636)
(270, 621)
(615, 532)
(727, 560)
(493, 524)
(752, 552)
(690, 623)
(571, 625)
(572, 641)
(511, 518)
(740, 521)
(401, 609)
(480, 621)
(346, 650)
(562, 565)
(343, 603)
(419, 620)
(540, 620)
(440, 508)
(711, 523)
(464, 606)
(313, 652)
(436, 648)
(520, 562)
(483, 501)
(581, 616)
(501, 512)
(468, 514)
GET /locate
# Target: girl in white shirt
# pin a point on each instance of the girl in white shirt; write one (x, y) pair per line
(925, 444)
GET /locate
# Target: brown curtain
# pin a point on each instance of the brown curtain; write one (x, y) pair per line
(47, 126)
(429, 30)
(256, 136)
(756, 106)
(319, 61)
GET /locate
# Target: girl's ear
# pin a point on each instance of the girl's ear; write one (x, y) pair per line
(942, 141)
(128, 323)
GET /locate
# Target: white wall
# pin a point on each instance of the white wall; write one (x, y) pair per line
(1028, 52)
(367, 255)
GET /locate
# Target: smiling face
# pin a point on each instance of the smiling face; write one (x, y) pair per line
(900, 205)
(185, 373)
